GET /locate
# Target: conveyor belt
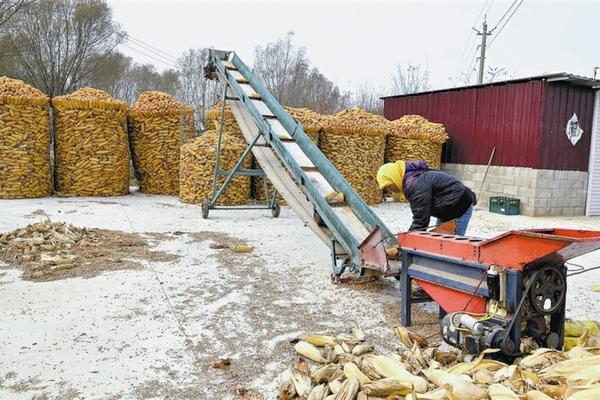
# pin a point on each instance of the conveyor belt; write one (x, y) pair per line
(293, 163)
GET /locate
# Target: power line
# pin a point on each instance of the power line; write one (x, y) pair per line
(505, 14)
(152, 48)
(150, 56)
(153, 54)
(506, 22)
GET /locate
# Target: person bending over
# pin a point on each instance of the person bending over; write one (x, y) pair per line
(430, 193)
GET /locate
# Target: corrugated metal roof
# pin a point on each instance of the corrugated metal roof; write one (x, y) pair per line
(563, 77)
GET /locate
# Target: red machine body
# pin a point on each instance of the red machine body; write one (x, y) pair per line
(516, 250)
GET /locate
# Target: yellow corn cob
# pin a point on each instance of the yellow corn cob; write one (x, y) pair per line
(243, 249)
(334, 386)
(309, 351)
(319, 340)
(362, 349)
(351, 370)
(388, 368)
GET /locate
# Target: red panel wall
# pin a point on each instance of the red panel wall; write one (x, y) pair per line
(507, 117)
(560, 102)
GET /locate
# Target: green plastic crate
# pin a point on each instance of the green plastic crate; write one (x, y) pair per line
(505, 205)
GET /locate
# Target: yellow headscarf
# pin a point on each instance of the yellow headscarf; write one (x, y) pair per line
(391, 173)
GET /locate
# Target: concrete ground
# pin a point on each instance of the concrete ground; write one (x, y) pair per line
(152, 333)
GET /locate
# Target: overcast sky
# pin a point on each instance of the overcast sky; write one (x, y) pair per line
(356, 42)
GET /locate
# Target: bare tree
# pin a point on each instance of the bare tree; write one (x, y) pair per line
(287, 73)
(194, 88)
(367, 98)
(56, 44)
(411, 79)
(120, 76)
(8, 8)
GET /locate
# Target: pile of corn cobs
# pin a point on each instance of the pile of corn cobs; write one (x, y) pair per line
(348, 368)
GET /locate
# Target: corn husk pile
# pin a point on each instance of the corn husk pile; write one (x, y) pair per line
(354, 141)
(197, 168)
(49, 250)
(413, 137)
(348, 367)
(92, 148)
(25, 170)
(46, 245)
(158, 125)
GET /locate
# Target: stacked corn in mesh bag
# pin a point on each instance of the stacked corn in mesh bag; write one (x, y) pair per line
(25, 170)
(198, 157)
(354, 141)
(213, 120)
(92, 149)
(158, 125)
(413, 137)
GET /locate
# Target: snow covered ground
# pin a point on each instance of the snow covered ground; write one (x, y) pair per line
(152, 332)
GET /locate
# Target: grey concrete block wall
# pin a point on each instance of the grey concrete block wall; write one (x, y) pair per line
(542, 192)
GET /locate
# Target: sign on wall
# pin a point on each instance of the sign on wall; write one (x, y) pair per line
(574, 131)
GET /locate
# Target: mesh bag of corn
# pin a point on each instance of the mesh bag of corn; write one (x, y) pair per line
(354, 141)
(25, 170)
(213, 120)
(91, 149)
(198, 157)
(158, 125)
(413, 137)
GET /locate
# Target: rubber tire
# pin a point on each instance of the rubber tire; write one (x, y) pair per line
(276, 210)
(205, 208)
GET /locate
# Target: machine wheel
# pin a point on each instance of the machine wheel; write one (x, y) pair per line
(548, 290)
(205, 208)
(276, 210)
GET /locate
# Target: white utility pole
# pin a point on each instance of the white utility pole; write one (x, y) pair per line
(484, 34)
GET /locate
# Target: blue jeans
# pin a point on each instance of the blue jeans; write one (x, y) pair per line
(462, 222)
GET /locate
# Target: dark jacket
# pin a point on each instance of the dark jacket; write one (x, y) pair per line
(434, 193)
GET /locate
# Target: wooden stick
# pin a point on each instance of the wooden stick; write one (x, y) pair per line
(486, 172)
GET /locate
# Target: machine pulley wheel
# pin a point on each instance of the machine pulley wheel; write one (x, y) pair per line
(548, 290)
